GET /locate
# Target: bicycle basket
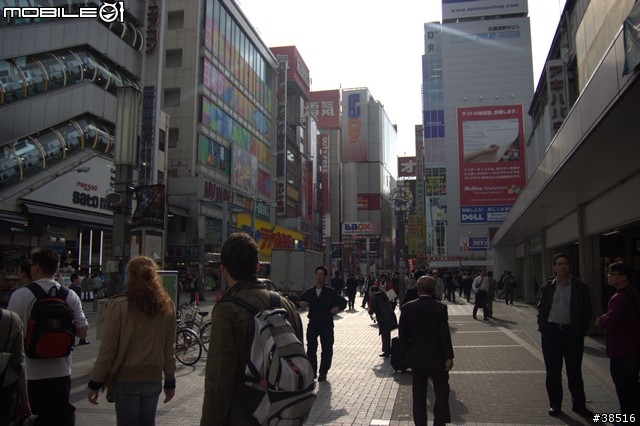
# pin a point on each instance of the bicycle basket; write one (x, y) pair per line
(189, 314)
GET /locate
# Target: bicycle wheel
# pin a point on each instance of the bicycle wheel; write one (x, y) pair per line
(188, 347)
(205, 335)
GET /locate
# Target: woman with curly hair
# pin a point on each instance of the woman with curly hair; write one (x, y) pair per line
(137, 346)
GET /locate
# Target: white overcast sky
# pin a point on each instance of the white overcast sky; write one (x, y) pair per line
(365, 43)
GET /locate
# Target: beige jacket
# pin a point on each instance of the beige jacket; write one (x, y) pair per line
(135, 347)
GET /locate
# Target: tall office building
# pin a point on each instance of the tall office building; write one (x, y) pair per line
(477, 86)
(59, 78)
(219, 87)
(368, 157)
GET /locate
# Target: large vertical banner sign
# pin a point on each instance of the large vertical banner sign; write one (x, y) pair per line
(149, 213)
(357, 107)
(281, 145)
(323, 150)
(492, 174)
(557, 93)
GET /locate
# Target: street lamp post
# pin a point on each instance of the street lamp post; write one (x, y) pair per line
(127, 121)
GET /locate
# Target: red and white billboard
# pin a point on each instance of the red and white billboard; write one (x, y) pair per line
(325, 106)
(407, 167)
(492, 169)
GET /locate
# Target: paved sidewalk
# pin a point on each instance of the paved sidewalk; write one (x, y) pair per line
(498, 376)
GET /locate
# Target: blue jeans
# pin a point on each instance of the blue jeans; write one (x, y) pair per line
(136, 402)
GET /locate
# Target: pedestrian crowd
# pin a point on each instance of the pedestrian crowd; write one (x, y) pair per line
(136, 362)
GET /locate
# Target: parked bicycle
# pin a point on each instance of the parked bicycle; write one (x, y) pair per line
(192, 317)
(188, 344)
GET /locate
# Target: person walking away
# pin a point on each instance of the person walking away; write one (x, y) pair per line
(96, 284)
(564, 315)
(337, 283)
(509, 287)
(500, 292)
(14, 398)
(369, 282)
(467, 282)
(76, 286)
(228, 346)
(449, 287)
(49, 380)
(491, 293)
(622, 325)
(137, 347)
(480, 286)
(323, 303)
(86, 289)
(382, 307)
(425, 340)
(352, 289)
(439, 284)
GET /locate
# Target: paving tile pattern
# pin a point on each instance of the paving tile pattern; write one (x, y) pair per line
(498, 376)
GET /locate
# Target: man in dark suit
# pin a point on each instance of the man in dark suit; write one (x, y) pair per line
(425, 340)
(323, 303)
(564, 316)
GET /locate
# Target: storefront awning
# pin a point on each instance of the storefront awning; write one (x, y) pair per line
(68, 214)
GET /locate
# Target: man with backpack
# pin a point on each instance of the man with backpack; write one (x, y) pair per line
(52, 316)
(228, 398)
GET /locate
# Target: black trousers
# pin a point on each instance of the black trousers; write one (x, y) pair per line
(558, 345)
(480, 301)
(624, 372)
(351, 295)
(49, 399)
(420, 380)
(325, 332)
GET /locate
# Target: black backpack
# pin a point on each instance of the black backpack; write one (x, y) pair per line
(50, 330)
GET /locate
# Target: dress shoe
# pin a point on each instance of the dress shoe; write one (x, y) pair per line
(322, 378)
(83, 342)
(582, 410)
(486, 318)
(475, 317)
(555, 411)
(385, 355)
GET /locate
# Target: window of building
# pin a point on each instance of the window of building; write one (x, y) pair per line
(175, 20)
(172, 97)
(174, 136)
(174, 58)
(161, 138)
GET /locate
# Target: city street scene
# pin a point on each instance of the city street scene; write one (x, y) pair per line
(498, 376)
(478, 155)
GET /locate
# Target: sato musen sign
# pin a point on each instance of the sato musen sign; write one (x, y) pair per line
(108, 12)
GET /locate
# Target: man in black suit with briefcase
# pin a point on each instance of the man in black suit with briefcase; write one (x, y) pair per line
(426, 343)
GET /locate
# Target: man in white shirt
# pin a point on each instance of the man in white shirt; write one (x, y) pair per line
(49, 380)
(480, 286)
